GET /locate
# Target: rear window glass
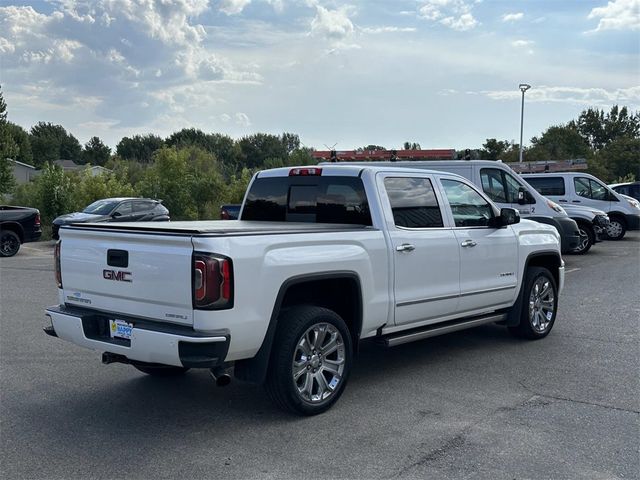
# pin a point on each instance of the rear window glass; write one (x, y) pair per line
(547, 185)
(308, 199)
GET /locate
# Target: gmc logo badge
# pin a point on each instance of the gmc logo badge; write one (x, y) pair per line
(118, 276)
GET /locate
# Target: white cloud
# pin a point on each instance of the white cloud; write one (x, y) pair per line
(522, 43)
(455, 14)
(242, 119)
(333, 24)
(233, 7)
(512, 17)
(617, 15)
(462, 23)
(573, 95)
(6, 46)
(387, 29)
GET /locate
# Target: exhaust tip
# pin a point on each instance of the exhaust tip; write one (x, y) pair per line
(221, 378)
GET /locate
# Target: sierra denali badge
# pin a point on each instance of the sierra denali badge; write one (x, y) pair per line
(116, 275)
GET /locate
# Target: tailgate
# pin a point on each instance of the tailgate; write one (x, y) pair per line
(137, 274)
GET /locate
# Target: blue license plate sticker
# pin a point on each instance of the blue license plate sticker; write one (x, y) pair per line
(120, 329)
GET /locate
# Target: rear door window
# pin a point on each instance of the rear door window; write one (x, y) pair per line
(413, 202)
(313, 199)
(588, 188)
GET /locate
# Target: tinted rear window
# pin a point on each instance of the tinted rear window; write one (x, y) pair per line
(308, 199)
(547, 185)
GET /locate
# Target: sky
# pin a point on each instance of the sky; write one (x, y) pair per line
(443, 73)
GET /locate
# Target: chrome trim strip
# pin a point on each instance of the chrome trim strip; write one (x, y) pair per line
(449, 297)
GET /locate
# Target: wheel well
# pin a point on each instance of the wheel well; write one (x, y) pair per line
(14, 227)
(549, 261)
(338, 291)
(340, 294)
(618, 216)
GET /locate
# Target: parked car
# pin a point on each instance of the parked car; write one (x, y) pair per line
(115, 210)
(630, 189)
(321, 258)
(18, 225)
(593, 224)
(506, 189)
(587, 190)
(230, 211)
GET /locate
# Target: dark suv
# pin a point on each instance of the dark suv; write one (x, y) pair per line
(115, 210)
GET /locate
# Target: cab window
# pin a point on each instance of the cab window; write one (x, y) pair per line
(413, 202)
(588, 188)
(468, 207)
(499, 186)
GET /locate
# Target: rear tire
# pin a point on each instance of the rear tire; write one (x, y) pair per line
(161, 370)
(617, 228)
(588, 238)
(539, 305)
(9, 243)
(310, 361)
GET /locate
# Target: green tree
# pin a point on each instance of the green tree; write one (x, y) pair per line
(411, 146)
(494, 149)
(167, 180)
(599, 129)
(238, 186)
(290, 142)
(190, 137)
(21, 139)
(51, 142)
(139, 147)
(88, 188)
(8, 150)
(558, 142)
(258, 147)
(619, 158)
(96, 152)
(368, 148)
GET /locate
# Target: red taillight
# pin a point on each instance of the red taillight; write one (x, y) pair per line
(56, 257)
(37, 220)
(212, 282)
(224, 215)
(305, 172)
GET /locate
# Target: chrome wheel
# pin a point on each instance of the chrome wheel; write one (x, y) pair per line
(584, 242)
(614, 229)
(318, 362)
(541, 304)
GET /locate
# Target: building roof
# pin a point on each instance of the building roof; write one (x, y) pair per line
(22, 164)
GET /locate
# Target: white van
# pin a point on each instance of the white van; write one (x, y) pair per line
(506, 189)
(587, 190)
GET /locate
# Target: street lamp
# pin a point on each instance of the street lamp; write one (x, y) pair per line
(523, 88)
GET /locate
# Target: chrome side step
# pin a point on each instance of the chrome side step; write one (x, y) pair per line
(439, 329)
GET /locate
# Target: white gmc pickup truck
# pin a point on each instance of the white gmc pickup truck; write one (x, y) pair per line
(321, 258)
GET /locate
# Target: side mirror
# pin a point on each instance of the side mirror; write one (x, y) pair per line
(524, 196)
(116, 215)
(509, 216)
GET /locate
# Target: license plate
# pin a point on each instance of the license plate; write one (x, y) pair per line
(120, 329)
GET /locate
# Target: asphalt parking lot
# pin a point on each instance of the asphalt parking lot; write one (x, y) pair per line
(474, 404)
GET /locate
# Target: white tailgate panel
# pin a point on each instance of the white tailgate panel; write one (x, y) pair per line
(159, 268)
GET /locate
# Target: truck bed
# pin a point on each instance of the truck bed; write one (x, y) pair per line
(219, 227)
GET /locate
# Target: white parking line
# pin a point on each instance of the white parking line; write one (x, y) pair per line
(571, 270)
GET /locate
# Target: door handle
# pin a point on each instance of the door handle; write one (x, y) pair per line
(562, 201)
(468, 243)
(575, 201)
(405, 247)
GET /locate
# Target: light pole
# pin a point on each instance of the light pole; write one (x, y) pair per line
(523, 88)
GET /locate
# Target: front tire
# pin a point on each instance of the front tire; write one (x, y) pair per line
(587, 239)
(9, 243)
(617, 228)
(539, 305)
(310, 361)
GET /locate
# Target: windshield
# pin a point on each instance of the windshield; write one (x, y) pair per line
(101, 207)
